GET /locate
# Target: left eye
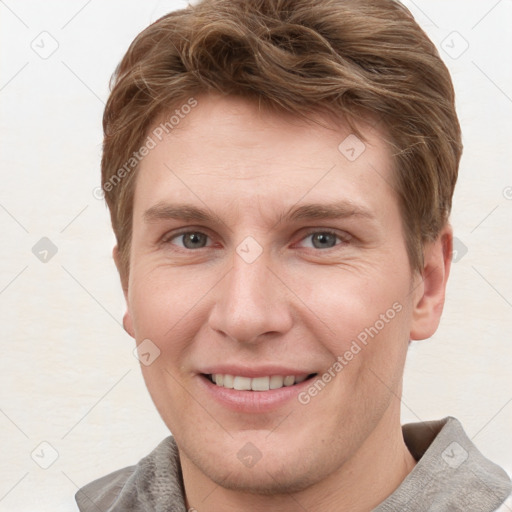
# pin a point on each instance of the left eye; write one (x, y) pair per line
(191, 240)
(322, 239)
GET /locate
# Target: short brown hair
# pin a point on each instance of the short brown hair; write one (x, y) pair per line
(345, 56)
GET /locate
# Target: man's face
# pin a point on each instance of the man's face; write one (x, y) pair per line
(298, 263)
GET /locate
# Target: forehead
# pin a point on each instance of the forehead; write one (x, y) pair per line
(229, 155)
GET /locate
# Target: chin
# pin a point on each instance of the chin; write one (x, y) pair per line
(275, 473)
(265, 480)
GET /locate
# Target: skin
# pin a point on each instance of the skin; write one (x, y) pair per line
(299, 304)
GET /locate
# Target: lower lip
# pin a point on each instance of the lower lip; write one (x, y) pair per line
(253, 401)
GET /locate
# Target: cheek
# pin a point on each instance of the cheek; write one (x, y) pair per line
(364, 320)
(351, 304)
(169, 308)
(162, 301)
(165, 308)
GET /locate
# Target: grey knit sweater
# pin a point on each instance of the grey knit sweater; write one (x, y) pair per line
(451, 476)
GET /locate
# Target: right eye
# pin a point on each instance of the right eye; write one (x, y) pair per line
(188, 240)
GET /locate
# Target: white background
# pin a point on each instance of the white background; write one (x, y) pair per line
(67, 373)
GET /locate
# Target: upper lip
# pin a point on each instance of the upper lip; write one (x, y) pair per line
(255, 371)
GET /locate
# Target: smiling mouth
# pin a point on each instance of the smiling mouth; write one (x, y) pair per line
(267, 383)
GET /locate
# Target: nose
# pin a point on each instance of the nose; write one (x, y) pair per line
(251, 303)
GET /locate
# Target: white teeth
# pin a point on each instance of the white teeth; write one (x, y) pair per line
(242, 383)
(289, 380)
(260, 384)
(276, 382)
(229, 381)
(257, 383)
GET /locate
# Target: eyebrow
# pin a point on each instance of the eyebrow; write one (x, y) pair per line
(313, 211)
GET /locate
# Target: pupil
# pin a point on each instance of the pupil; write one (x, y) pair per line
(325, 239)
(193, 239)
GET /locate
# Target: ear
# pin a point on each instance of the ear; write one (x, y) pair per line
(127, 319)
(430, 290)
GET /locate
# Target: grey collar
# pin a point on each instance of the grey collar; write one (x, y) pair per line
(451, 476)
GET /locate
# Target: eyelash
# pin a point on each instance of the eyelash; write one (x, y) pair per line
(342, 239)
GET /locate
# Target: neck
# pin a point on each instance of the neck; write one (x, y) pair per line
(365, 480)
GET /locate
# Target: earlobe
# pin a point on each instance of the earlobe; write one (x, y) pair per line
(429, 302)
(127, 324)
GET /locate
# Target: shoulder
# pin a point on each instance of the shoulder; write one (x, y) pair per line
(154, 479)
(103, 492)
(506, 506)
(451, 473)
